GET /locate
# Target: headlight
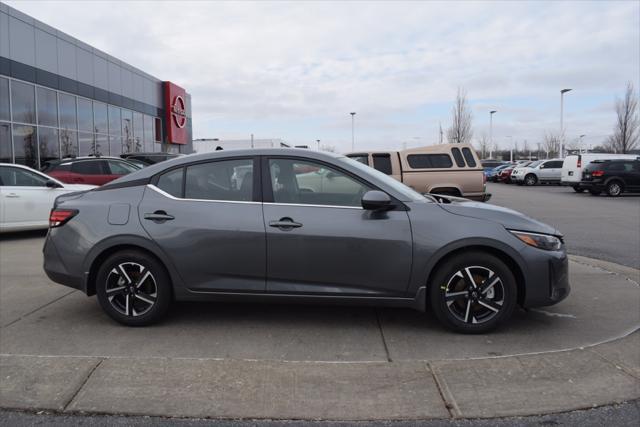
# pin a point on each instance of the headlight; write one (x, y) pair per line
(540, 241)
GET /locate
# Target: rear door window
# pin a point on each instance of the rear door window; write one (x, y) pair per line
(228, 180)
(362, 158)
(171, 182)
(120, 168)
(429, 161)
(468, 156)
(92, 167)
(382, 162)
(457, 155)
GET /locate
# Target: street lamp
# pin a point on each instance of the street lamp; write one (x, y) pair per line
(353, 143)
(581, 136)
(510, 148)
(491, 113)
(318, 141)
(562, 92)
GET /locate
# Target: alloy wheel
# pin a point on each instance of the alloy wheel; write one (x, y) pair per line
(531, 180)
(614, 189)
(131, 289)
(474, 294)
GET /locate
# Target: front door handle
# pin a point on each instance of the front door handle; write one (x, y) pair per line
(159, 216)
(285, 224)
(12, 195)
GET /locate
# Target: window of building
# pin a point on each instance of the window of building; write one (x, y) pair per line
(47, 107)
(16, 177)
(138, 132)
(128, 142)
(171, 182)
(25, 145)
(157, 129)
(102, 145)
(303, 182)
(5, 143)
(100, 117)
(68, 118)
(115, 145)
(48, 144)
(230, 180)
(23, 102)
(5, 114)
(382, 162)
(148, 134)
(68, 143)
(429, 161)
(85, 144)
(468, 156)
(85, 115)
(115, 121)
(457, 155)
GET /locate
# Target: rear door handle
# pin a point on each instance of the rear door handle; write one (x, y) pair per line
(12, 195)
(285, 224)
(159, 216)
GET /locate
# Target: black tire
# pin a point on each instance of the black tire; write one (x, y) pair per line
(595, 192)
(138, 297)
(461, 313)
(578, 189)
(614, 188)
(530, 180)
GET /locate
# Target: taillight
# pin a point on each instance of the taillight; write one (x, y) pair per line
(59, 217)
(484, 178)
(579, 161)
(597, 173)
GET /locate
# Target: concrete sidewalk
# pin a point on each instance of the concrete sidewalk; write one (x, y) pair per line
(209, 388)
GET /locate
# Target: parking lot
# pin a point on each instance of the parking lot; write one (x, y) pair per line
(61, 352)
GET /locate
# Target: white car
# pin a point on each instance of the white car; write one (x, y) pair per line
(26, 197)
(541, 171)
(575, 164)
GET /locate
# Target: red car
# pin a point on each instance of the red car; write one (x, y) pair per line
(505, 175)
(88, 170)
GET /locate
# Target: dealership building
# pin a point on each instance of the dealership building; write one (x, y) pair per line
(60, 97)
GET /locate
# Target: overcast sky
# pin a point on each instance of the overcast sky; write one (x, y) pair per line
(295, 70)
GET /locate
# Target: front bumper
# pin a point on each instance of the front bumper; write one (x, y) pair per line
(547, 281)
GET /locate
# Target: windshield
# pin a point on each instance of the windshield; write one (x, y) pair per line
(396, 185)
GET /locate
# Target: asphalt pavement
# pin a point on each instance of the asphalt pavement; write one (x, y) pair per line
(601, 227)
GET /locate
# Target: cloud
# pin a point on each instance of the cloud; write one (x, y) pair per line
(294, 70)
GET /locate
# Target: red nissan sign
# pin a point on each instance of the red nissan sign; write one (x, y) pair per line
(176, 113)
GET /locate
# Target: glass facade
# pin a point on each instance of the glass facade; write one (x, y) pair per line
(38, 124)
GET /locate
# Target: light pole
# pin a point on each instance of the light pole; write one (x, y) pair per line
(581, 136)
(491, 113)
(562, 92)
(353, 139)
(318, 141)
(510, 148)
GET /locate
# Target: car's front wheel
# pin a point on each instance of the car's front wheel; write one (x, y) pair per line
(473, 292)
(531, 179)
(133, 288)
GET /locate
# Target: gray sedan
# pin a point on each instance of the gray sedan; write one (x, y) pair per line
(274, 225)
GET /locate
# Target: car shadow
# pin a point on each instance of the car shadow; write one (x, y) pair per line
(21, 235)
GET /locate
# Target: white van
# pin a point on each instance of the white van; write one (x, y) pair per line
(574, 164)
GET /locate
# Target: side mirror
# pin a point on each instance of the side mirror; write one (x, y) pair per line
(52, 184)
(375, 200)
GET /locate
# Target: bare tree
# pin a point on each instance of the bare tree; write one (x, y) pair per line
(551, 144)
(460, 131)
(625, 132)
(483, 145)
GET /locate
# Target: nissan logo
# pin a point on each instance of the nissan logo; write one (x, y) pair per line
(178, 112)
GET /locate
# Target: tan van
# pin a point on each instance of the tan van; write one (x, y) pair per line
(450, 169)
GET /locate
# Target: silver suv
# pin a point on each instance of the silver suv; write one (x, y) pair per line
(539, 172)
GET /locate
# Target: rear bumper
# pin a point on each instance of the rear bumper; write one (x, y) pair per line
(55, 269)
(478, 197)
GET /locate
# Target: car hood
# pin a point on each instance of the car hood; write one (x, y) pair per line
(508, 218)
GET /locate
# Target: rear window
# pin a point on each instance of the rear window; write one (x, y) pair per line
(89, 168)
(468, 156)
(382, 162)
(429, 161)
(362, 158)
(457, 155)
(619, 166)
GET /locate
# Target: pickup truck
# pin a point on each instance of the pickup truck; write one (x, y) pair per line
(448, 169)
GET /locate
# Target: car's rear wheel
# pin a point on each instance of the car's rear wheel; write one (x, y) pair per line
(133, 288)
(531, 179)
(614, 188)
(473, 293)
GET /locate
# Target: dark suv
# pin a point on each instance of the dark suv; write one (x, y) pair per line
(612, 176)
(89, 170)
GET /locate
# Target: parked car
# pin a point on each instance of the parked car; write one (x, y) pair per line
(574, 165)
(149, 158)
(27, 197)
(489, 164)
(186, 230)
(611, 176)
(492, 175)
(504, 175)
(538, 172)
(449, 169)
(89, 170)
